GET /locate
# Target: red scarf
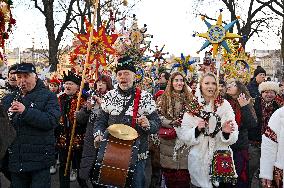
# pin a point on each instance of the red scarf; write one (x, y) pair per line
(237, 110)
(267, 111)
(136, 106)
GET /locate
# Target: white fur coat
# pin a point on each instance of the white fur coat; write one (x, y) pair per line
(202, 148)
(272, 147)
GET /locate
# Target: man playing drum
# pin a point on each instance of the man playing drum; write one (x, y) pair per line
(118, 107)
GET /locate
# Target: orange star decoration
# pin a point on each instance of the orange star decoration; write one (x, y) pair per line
(101, 44)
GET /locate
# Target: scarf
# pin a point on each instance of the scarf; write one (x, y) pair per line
(267, 110)
(237, 111)
(126, 93)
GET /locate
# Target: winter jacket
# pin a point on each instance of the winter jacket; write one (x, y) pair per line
(7, 135)
(68, 106)
(34, 147)
(254, 134)
(89, 150)
(169, 157)
(272, 146)
(253, 88)
(203, 147)
(247, 122)
(167, 151)
(7, 90)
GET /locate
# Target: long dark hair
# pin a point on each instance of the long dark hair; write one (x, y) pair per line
(166, 101)
(243, 89)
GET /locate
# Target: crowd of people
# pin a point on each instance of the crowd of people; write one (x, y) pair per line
(192, 133)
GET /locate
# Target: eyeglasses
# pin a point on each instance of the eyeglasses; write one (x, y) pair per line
(231, 85)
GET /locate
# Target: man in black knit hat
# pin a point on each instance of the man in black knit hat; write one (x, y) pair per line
(258, 78)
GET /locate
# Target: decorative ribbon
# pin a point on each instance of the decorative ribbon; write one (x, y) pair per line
(135, 106)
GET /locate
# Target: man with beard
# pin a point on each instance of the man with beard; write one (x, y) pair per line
(118, 107)
(68, 103)
(34, 113)
(265, 105)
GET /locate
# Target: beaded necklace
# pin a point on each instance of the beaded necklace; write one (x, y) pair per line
(197, 109)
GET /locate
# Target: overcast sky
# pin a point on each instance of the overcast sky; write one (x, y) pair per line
(171, 22)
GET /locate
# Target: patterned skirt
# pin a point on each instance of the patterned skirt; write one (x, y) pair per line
(176, 178)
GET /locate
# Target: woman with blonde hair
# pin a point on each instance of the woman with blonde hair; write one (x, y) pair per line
(209, 128)
(172, 105)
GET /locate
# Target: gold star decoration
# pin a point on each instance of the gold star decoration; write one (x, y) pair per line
(217, 35)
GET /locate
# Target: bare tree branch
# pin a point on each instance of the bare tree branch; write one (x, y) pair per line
(67, 21)
(38, 7)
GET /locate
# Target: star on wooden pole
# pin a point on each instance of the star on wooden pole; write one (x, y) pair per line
(217, 35)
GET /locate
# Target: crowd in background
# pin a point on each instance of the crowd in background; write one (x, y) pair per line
(207, 133)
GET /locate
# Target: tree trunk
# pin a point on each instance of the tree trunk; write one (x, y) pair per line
(53, 45)
(53, 55)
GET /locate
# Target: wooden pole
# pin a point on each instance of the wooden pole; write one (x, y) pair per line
(81, 87)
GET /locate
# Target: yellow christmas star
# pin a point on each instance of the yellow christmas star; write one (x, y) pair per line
(217, 35)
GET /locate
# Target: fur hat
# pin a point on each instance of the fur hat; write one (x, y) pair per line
(258, 70)
(269, 86)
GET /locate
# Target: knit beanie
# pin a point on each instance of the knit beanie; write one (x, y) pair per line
(258, 70)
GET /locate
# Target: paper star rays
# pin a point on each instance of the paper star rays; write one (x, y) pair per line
(217, 35)
(183, 64)
(101, 44)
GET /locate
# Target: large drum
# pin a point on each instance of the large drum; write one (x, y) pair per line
(116, 158)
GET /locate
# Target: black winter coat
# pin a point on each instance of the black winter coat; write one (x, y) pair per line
(255, 133)
(89, 151)
(34, 147)
(253, 88)
(247, 122)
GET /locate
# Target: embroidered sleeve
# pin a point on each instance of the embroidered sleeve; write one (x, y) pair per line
(277, 174)
(98, 133)
(269, 133)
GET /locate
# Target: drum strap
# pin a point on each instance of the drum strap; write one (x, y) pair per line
(136, 106)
